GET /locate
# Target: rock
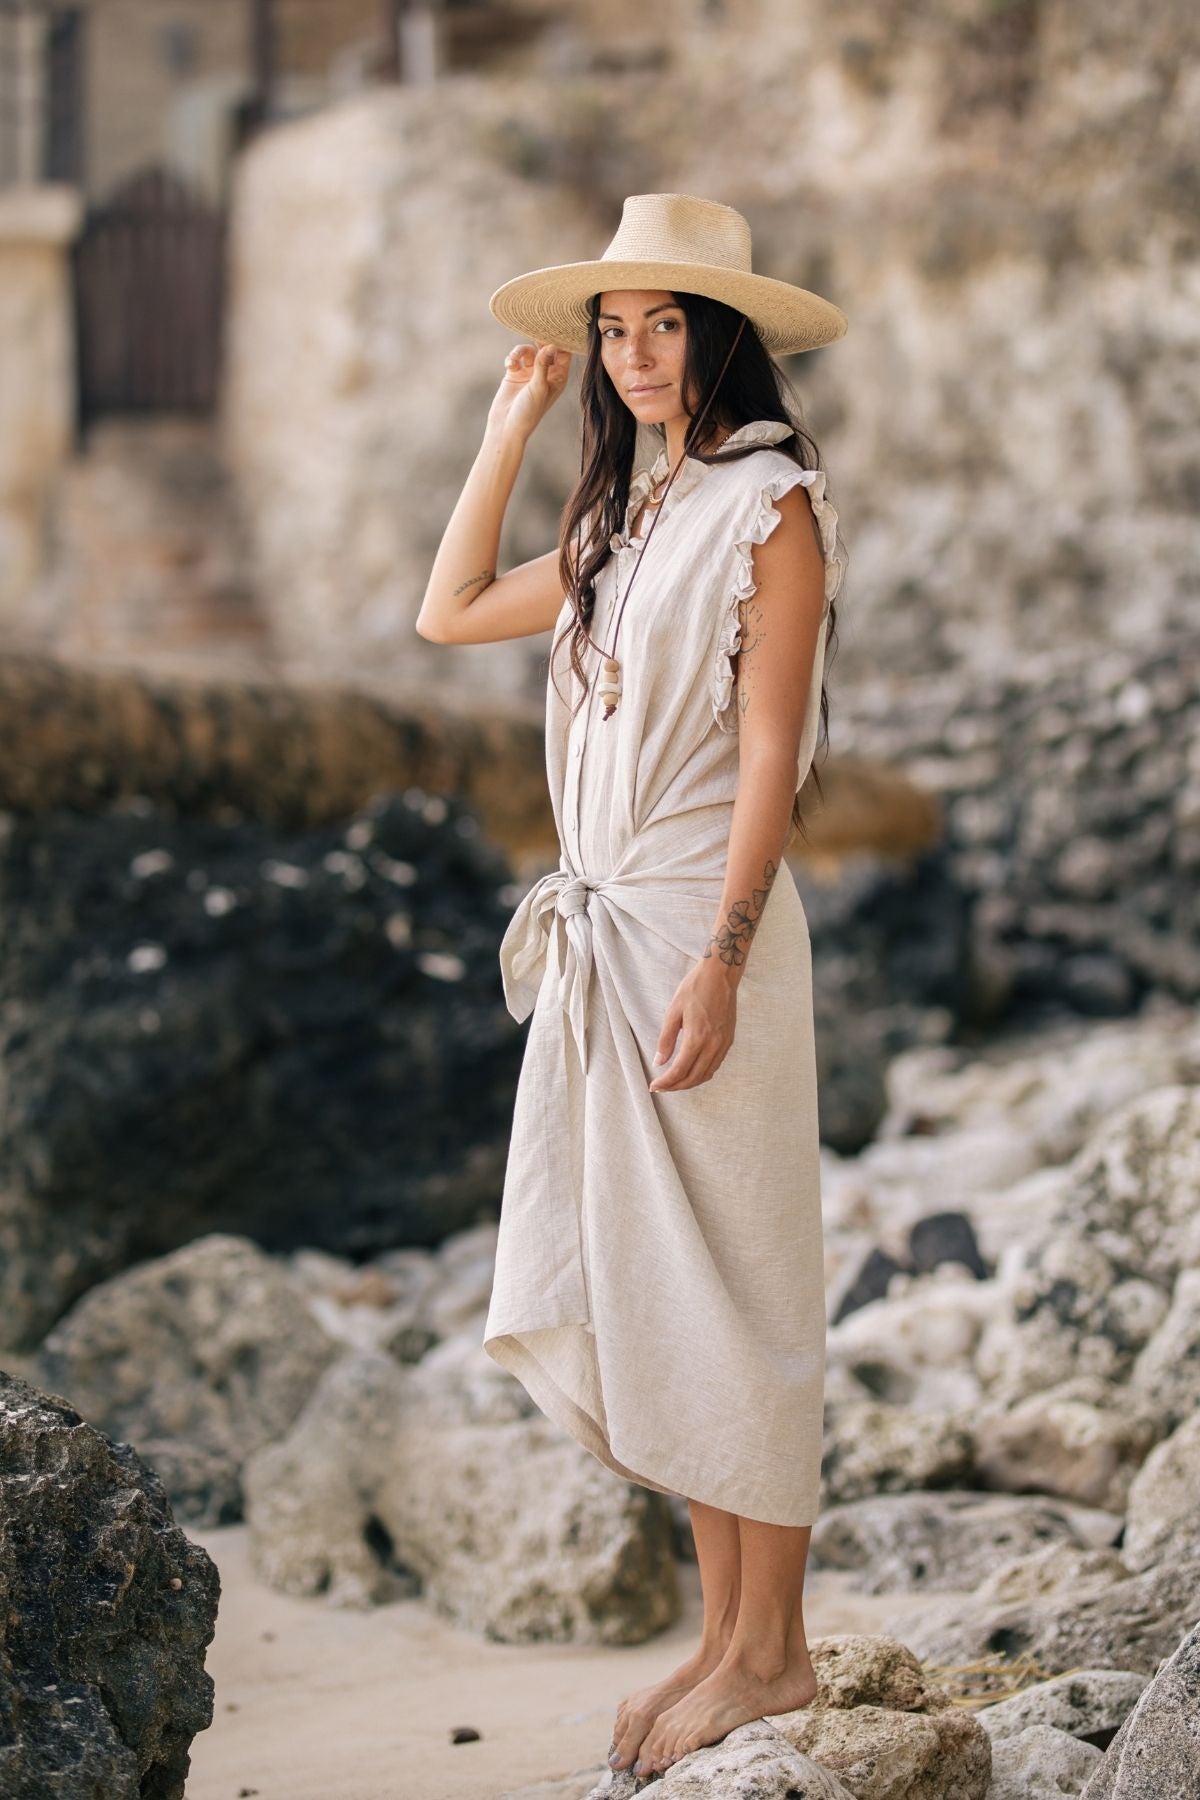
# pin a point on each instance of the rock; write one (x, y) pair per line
(869, 1281)
(198, 1359)
(511, 1528)
(885, 1728)
(915, 1348)
(1162, 1518)
(1040, 1763)
(946, 1237)
(1074, 1313)
(469, 1387)
(1132, 1186)
(1051, 1570)
(403, 1301)
(1091, 1286)
(872, 1449)
(1166, 1374)
(887, 941)
(1049, 1086)
(108, 1611)
(1067, 1609)
(1156, 1753)
(948, 1539)
(974, 1162)
(1091, 1704)
(1082, 1440)
(881, 1754)
(857, 1669)
(752, 1762)
(298, 1008)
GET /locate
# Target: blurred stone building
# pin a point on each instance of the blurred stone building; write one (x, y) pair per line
(246, 252)
(121, 127)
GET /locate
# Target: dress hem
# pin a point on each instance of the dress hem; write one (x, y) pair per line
(507, 1349)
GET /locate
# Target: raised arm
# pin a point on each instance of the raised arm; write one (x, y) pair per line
(465, 601)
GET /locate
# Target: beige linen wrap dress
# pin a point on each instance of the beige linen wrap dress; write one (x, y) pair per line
(659, 1272)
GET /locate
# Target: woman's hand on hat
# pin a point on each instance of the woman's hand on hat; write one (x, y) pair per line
(534, 377)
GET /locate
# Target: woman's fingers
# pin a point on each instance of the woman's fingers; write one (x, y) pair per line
(698, 1053)
(693, 1055)
(543, 367)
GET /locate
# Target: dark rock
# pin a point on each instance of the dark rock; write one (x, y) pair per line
(946, 1237)
(870, 1283)
(107, 1613)
(889, 948)
(210, 1027)
(1070, 819)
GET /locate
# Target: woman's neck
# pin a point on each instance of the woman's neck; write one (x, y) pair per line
(676, 433)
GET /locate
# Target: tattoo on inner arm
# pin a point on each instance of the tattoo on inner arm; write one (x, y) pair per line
(753, 634)
(487, 575)
(732, 942)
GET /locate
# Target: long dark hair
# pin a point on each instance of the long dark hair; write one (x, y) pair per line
(753, 387)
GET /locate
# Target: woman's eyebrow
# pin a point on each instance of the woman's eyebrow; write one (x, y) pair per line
(663, 306)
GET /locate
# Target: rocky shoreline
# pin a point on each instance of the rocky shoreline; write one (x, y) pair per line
(1012, 1407)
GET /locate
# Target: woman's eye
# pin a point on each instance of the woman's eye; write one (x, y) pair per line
(673, 323)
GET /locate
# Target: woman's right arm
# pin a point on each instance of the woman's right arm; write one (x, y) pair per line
(465, 601)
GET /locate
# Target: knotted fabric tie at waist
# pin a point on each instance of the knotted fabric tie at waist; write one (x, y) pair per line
(551, 927)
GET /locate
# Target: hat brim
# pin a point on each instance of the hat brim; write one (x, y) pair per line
(551, 304)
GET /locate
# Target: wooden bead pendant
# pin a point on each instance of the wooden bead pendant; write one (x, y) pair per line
(610, 687)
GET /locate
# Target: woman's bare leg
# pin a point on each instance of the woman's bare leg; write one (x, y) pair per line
(765, 1668)
(718, 1551)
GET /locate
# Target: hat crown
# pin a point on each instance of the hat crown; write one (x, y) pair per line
(679, 228)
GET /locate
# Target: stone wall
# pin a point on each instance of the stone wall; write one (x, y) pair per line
(361, 360)
(1002, 199)
(37, 378)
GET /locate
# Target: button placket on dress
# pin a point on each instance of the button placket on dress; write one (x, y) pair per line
(580, 727)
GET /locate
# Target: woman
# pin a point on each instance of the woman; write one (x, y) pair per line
(659, 1279)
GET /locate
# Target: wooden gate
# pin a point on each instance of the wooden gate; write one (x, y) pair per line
(149, 271)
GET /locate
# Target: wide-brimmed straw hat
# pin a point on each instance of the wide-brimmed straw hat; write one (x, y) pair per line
(671, 241)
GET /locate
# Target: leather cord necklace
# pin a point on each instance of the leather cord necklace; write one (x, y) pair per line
(610, 686)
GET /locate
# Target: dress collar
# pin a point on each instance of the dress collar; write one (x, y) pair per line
(693, 471)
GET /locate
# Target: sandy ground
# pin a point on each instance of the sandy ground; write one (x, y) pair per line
(317, 1703)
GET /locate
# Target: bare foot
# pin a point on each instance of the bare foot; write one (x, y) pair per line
(726, 1698)
(638, 1711)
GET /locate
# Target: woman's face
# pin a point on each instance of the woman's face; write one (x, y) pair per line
(643, 336)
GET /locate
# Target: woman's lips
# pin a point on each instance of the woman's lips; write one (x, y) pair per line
(647, 388)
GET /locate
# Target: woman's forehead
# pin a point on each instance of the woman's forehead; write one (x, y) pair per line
(635, 302)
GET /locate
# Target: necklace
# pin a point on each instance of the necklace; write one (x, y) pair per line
(607, 680)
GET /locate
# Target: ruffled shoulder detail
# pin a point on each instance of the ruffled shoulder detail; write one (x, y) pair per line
(763, 520)
(760, 432)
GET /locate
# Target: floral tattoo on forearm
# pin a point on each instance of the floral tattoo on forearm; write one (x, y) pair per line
(732, 942)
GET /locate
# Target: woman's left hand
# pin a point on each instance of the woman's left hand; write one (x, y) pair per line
(699, 1026)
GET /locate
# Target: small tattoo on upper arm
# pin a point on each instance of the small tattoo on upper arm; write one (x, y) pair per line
(753, 633)
(487, 575)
